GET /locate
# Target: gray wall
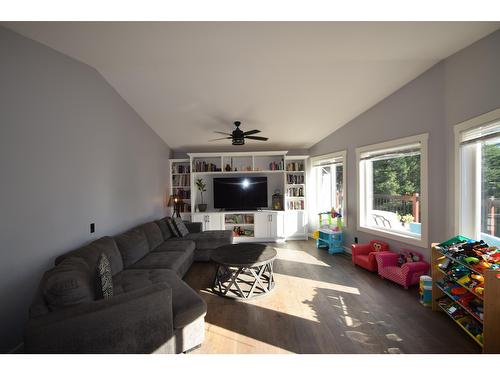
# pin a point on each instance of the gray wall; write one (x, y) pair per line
(460, 87)
(72, 152)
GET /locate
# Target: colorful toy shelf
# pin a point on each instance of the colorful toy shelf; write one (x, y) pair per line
(459, 316)
(466, 286)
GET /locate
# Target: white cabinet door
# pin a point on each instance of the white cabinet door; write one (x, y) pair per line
(213, 221)
(201, 218)
(209, 221)
(295, 225)
(261, 225)
(197, 218)
(277, 225)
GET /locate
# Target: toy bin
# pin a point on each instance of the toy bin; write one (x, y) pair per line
(331, 240)
(425, 290)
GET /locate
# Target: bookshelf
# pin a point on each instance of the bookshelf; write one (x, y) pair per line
(295, 196)
(180, 185)
(295, 182)
(285, 174)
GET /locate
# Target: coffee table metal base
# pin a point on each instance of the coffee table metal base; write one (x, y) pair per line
(244, 282)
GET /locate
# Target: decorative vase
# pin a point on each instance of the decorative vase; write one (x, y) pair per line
(202, 207)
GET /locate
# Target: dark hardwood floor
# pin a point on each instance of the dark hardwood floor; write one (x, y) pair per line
(323, 304)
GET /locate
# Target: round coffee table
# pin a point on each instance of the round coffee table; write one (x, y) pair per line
(244, 271)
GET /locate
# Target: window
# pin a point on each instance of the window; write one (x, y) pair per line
(329, 184)
(392, 189)
(479, 178)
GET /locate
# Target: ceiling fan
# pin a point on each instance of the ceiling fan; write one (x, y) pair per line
(238, 136)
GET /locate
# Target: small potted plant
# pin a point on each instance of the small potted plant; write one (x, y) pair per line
(202, 187)
(406, 220)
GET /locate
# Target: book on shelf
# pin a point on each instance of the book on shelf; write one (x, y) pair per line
(180, 168)
(295, 166)
(296, 204)
(203, 166)
(183, 194)
(295, 192)
(180, 180)
(295, 179)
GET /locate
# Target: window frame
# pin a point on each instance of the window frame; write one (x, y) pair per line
(458, 129)
(423, 139)
(333, 155)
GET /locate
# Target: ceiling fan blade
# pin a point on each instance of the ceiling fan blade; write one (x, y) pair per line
(219, 139)
(257, 138)
(215, 131)
(250, 132)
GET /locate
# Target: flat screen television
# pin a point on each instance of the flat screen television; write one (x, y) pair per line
(240, 193)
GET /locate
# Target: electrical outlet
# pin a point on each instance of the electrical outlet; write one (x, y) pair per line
(92, 227)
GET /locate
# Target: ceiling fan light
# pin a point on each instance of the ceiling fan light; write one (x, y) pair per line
(238, 141)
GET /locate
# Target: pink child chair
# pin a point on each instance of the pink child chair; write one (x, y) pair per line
(405, 274)
(363, 254)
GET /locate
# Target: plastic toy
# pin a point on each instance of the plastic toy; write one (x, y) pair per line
(328, 221)
(331, 240)
(458, 291)
(470, 260)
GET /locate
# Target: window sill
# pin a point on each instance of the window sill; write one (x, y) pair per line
(397, 236)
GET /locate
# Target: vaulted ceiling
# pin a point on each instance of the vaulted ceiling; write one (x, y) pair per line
(295, 81)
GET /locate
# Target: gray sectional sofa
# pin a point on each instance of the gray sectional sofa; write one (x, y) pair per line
(152, 310)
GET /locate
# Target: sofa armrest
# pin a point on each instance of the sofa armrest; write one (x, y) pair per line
(193, 227)
(361, 249)
(386, 259)
(414, 267)
(136, 322)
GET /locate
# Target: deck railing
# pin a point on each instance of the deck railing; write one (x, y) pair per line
(402, 204)
(491, 216)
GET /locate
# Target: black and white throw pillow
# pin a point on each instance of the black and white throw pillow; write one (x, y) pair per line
(104, 277)
(181, 227)
(173, 228)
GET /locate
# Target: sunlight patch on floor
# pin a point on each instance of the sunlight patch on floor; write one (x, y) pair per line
(301, 257)
(322, 284)
(221, 340)
(394, 351)
(393, 337)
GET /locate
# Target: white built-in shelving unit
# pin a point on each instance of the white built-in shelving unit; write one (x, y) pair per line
(285, 174)
(180, 185)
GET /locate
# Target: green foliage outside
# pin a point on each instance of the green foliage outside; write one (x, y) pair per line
(491, 187)
(397, 176)
(491, 170)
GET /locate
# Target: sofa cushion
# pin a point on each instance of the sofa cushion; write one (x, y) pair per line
(153, 234)
(133, 245)
(171, 226)
(107, 245)
(91, 252)
(180, 226)
(178, 261)
(176, 244)
(68, 283)
(211, 239)
(104, 277)
(187, 305)
(165, 231)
